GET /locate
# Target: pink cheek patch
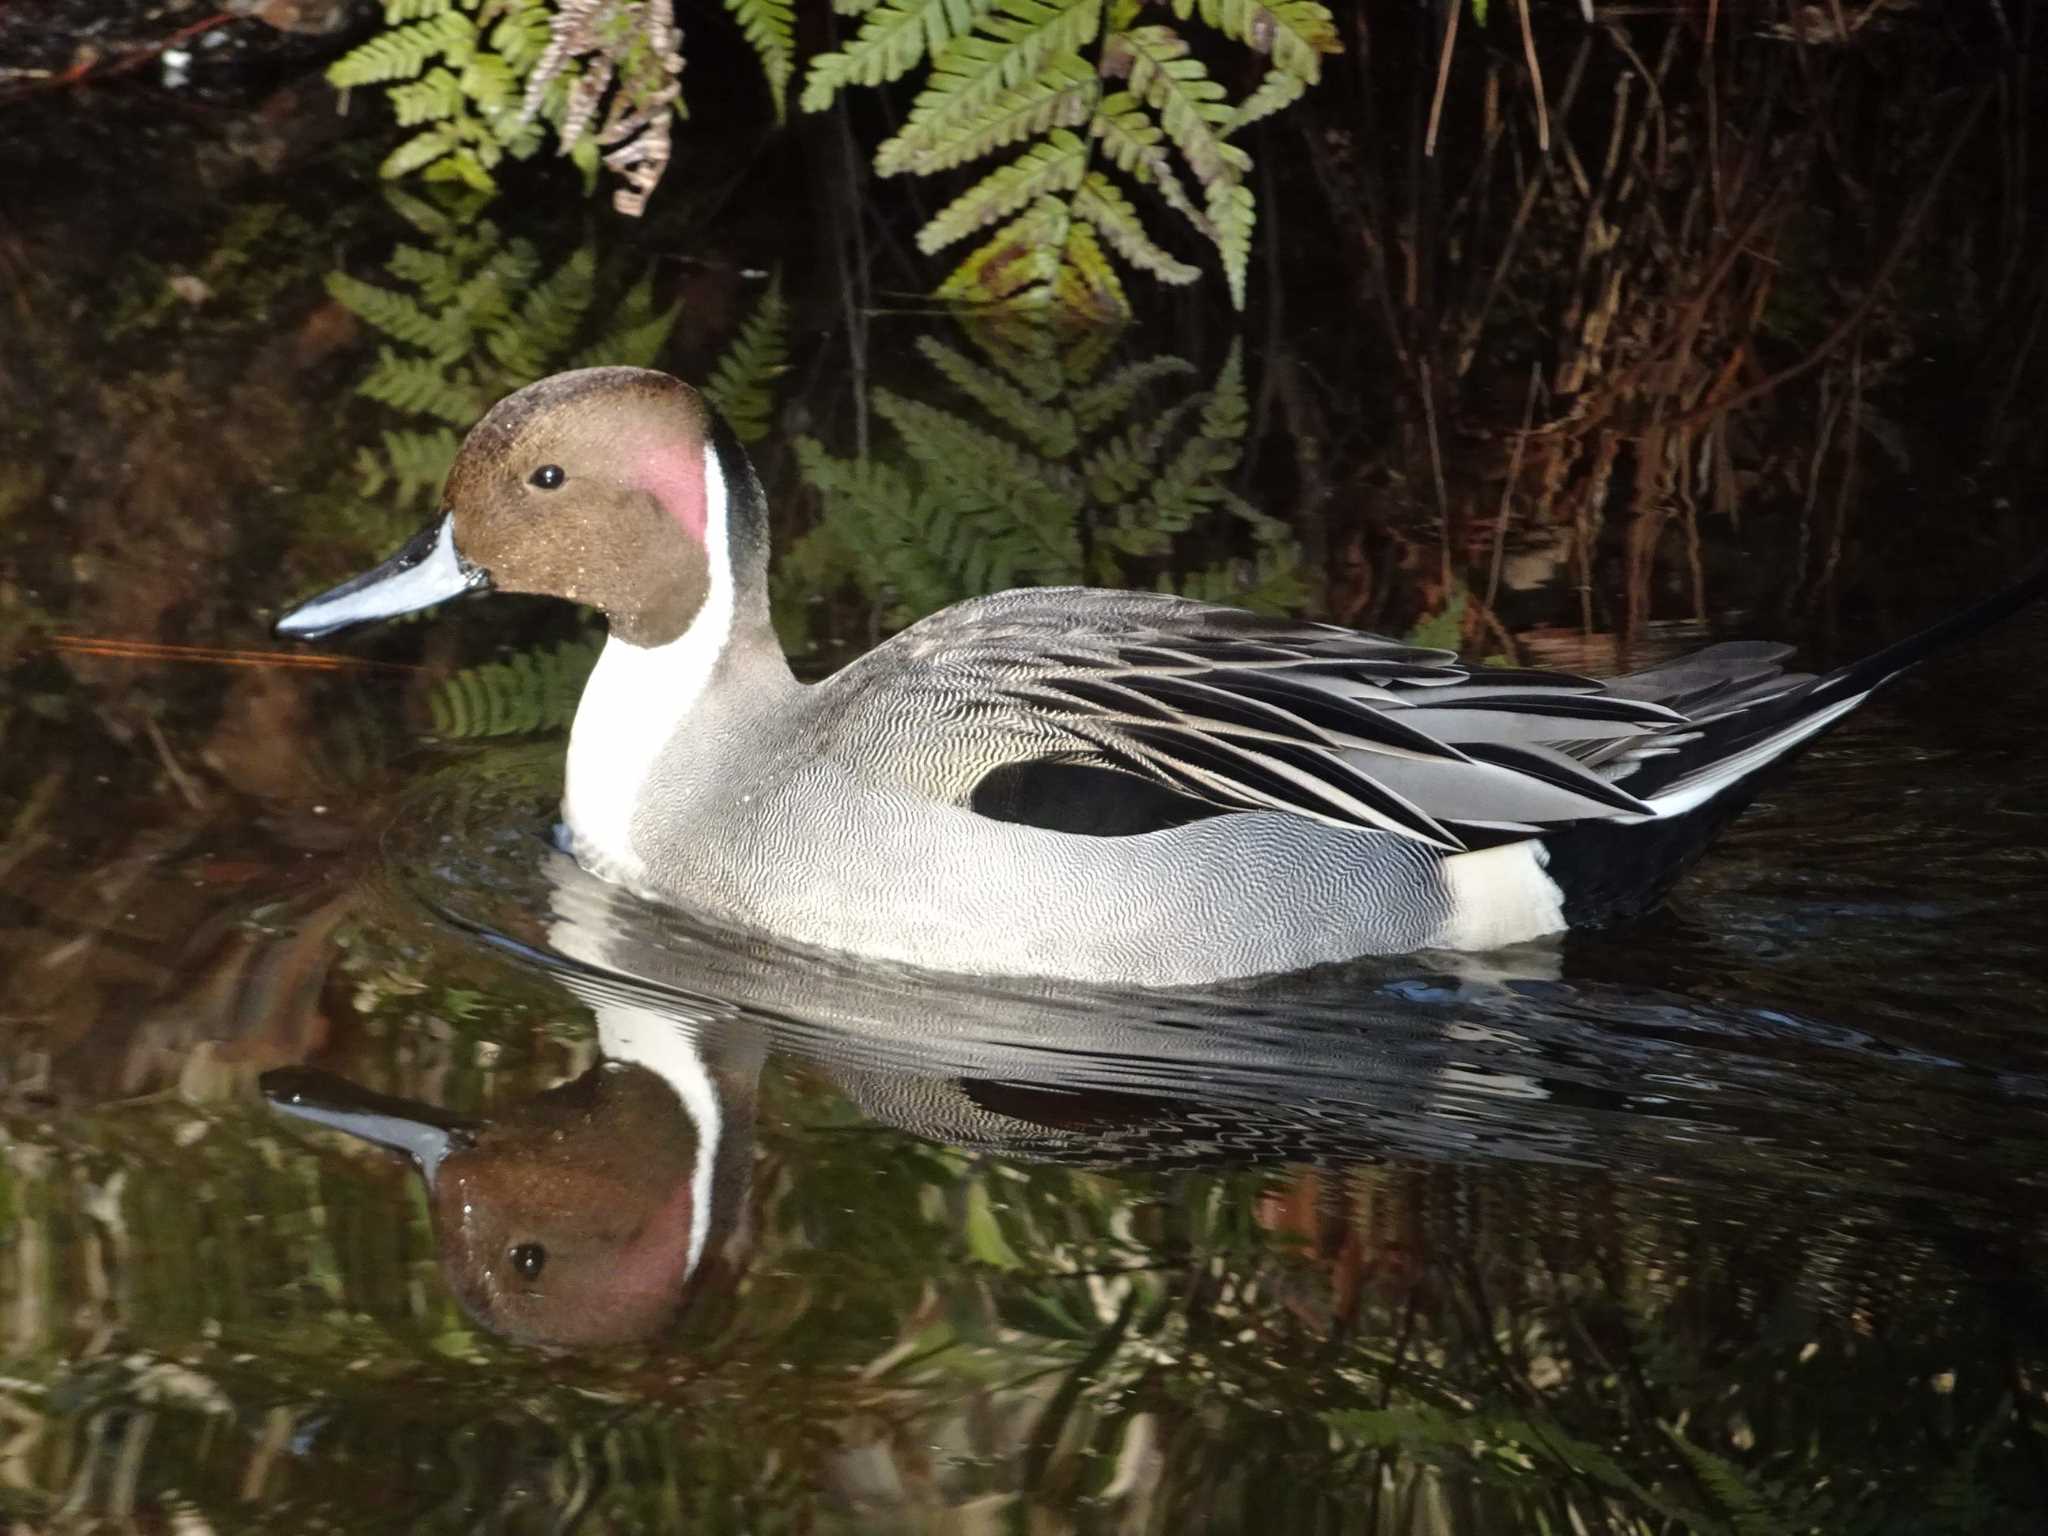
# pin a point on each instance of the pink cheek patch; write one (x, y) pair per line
(673, 475)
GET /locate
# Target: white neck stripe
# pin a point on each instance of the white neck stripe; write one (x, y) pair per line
(636, 700)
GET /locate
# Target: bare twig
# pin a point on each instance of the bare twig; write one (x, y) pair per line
(1443, 76)
(1535, 77)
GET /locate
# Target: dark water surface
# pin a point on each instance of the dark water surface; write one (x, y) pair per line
(1732, 1220)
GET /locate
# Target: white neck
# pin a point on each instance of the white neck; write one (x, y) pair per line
(636, 700)
(669, 1048)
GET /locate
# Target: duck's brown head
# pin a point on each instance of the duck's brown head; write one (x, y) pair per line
(616, 487)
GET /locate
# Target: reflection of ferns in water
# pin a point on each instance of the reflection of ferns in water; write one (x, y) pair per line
(532, 691)
(474, 319)
(1059, 477)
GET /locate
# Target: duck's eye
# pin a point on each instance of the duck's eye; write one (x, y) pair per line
(530, 1258)
(547, 477)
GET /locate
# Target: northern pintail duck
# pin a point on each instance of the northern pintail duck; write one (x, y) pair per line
(1099, 785)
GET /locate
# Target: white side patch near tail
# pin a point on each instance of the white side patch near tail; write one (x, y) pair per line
(1710, 780)
(1500, 896)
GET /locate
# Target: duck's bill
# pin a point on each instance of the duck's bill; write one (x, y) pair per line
(423, 1133)
(428, 570)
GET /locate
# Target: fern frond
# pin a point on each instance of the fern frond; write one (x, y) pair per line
(1121, 466)
(1103, 205)
(427, 100)
(399, 316)
(420, 150)
(416, 463)
(489, 81)
(528, 340)
(978, 462)
(769, 27)
(1176, 85)
(1232, 213)
(1017, 264)
(1279, 89)
(1297, 33)
(532, 691)
(1135, 144)
(1051, 166)
(396, 11)
(1228, 411)
(742, 385)
(1087, 285)
(1102, 403)
(1049, 429)
(896, 38)
(1008, 47)
(403, 52)
(520, 35)
(417, 384)
(637, 336)
(1063, 96)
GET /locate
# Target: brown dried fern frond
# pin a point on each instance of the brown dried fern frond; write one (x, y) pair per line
(631, 52)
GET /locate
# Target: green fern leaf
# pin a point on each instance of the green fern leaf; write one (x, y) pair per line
(638, 334)
(418, 385)
(988, 469)
(1233, 213)
(1297, 33)
(403, 52)
(1279, 89)
(399, 316)
(1049, 429)
(532, 691)
(1007, 48)
(520, 35)
(1136, 146)
(1018, 263)
(526, 342)
(742, 385)
(895, 39)
(1121, 466)
(488, 81)
(1055, 165)
(396, 11)
(1191, 106)
(1087, 285)
(1102, 403)
(770, 29)
(1104, 206)
(420, 150)
(1063, 96)
(427, 100)
(416, 464)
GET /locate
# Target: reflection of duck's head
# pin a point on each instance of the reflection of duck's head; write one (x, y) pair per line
(585, 1216)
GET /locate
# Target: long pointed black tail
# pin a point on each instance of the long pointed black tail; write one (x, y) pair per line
(1730, 746)
(1610, 870)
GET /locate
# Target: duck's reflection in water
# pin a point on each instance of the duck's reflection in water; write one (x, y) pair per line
(589, 1214)
(595, 1212)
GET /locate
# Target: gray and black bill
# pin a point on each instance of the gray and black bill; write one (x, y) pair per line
(422, 1132)
(428, 570)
